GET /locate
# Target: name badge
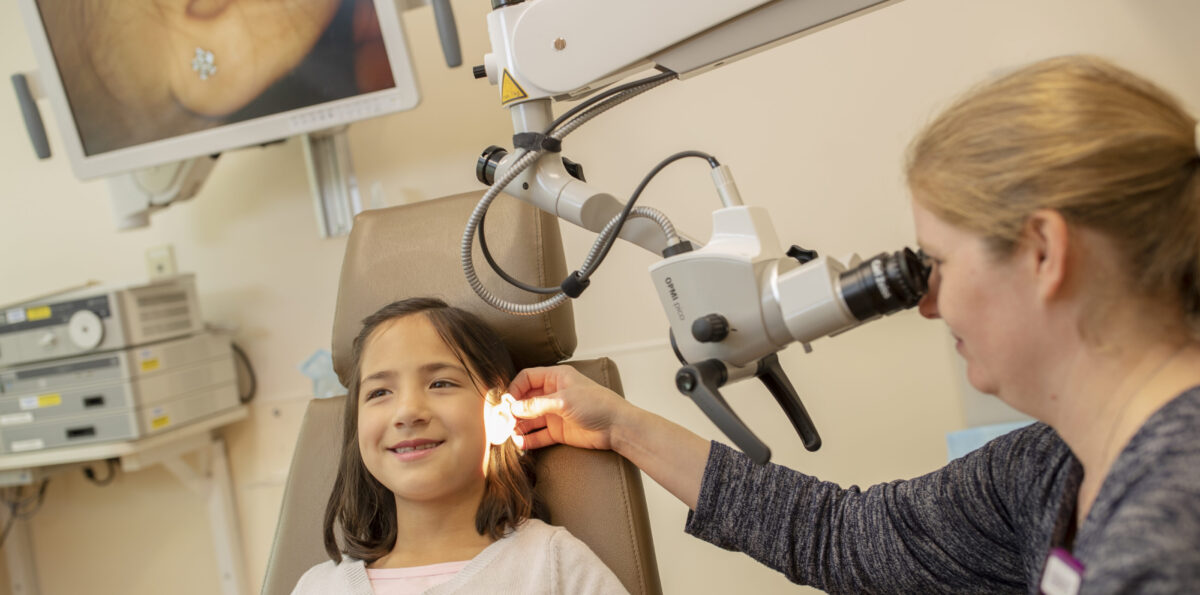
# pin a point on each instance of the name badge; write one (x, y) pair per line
(1063, 574)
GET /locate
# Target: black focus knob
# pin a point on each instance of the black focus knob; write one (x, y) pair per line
(712, 328)
(489, 160)
(479, 71)
(802, 255)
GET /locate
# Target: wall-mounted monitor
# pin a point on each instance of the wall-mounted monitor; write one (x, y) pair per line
(139, 83)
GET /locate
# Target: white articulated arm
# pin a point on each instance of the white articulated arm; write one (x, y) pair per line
(569, 48)
(734, 303)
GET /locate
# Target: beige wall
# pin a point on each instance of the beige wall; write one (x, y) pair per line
(813, 130)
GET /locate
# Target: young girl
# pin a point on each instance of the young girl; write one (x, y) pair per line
(431, 495)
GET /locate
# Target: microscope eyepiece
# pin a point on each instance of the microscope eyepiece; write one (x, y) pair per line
(884, 284)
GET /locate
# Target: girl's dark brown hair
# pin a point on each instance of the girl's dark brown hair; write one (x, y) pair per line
(361, 510)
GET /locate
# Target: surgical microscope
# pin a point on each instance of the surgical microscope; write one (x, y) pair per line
(734, 302)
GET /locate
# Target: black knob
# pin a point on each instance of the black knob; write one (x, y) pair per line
(685, 381)
(802, 255)
(485, 166)
(479, 71)
(710, 329)
(575, 170)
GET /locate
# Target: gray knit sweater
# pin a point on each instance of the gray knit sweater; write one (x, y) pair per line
(982, 524)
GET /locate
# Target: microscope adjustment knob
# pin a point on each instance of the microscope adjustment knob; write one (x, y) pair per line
(489, 160)
(711, 328)
(479, 71)
(802, 255)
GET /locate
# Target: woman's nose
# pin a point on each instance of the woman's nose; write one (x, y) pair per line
(928, 304)
(928, 307)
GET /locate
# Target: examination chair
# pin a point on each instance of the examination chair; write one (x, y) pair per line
(412, 250)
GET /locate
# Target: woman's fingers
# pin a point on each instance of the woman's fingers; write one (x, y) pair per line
(535, 407)
(535, 382)
(538, 439)
(526, 426)
(528, 382)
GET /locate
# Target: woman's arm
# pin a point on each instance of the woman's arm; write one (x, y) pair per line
(944, 532)
(954, 530)
(669, 453)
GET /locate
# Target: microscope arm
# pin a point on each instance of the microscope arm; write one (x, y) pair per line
(561, 49)
(548, 186)
(734, 303)
(565, 48)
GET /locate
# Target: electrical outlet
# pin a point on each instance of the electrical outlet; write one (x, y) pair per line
(160, 261)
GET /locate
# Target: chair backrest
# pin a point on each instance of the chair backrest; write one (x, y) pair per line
(411, 251)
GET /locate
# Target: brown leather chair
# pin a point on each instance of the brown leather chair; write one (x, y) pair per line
(412, 250)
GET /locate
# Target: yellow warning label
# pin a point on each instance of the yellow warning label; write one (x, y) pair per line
(159, 423)
(38, 313)
(149, 365)
(50, 400)
(510, 91)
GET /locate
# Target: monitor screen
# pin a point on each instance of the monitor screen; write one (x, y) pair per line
(138, 83)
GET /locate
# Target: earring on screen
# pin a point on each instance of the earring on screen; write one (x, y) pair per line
(203, 64)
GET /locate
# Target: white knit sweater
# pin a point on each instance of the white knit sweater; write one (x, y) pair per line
(535, 559)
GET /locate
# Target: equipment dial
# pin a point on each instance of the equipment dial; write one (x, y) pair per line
(85, 329)
(711, 328)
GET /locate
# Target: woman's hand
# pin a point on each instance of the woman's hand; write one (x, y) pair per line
(558, 405)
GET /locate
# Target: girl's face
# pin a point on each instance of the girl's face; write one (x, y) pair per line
(987, 303)
(420, 418)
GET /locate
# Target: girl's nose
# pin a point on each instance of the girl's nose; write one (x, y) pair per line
(412, 408)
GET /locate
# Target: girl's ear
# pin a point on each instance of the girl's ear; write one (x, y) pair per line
(499, 422)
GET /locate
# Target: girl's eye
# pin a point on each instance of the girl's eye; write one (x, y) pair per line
(442, 384)
(379, 392)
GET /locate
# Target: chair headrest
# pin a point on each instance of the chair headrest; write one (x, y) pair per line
(413, 250)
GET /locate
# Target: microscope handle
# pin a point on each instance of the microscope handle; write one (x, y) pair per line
(701, 382)
(772, 375)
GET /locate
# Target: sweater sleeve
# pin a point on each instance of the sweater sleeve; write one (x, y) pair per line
(578, 570)
(951, 531)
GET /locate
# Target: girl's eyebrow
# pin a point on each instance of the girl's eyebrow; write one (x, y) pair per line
(381, 375)
(429, 368)
(439, 366)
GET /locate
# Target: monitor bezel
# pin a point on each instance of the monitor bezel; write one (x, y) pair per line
(253, 132)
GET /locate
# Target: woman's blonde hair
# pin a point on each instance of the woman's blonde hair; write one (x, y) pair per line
(1107, 149)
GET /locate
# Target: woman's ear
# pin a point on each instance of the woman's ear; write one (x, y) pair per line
(1048, 240)
(499, 423)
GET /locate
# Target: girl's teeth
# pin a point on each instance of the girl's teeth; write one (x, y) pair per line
(413, 448)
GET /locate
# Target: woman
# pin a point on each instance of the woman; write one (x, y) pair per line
(431, 494)
(1060, 206)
